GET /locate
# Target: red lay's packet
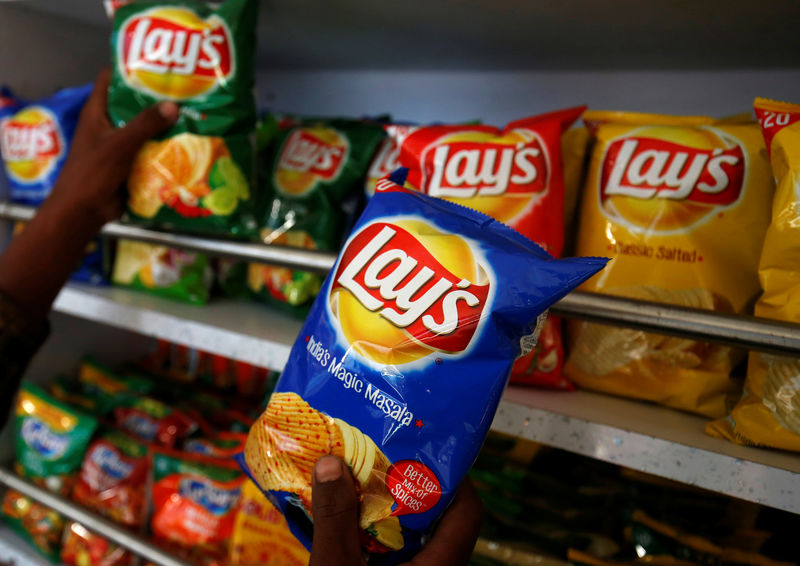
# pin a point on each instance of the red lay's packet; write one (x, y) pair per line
(515, 175)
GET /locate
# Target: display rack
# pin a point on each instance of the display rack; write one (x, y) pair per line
(629, 433)
(112, 531)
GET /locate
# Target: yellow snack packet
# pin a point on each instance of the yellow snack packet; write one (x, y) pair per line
(261, 536)
(769, 412)
(681, 204)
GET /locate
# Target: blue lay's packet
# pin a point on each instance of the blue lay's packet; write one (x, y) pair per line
(402, 361)
(35, 139)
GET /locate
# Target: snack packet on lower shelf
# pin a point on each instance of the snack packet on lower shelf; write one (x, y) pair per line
(195, 503)
(50, 441)
(197, 176)
(768, 413)
(681, 204)
(169, 272)
(261, 536)
(400, 366)
(82, 547)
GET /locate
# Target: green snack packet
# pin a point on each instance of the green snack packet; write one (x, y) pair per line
(51, 439)
(231, 277)
(196, 176)
(314, 166)
(169, 272)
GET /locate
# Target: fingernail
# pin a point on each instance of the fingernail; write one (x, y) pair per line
(328, 468)
(169, 110)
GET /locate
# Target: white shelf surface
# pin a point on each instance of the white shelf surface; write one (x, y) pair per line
(241, 330)
(651, 439)
(636, 435)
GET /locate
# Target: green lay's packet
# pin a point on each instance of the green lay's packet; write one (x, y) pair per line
(196, 176)
(311, 171)
(169, 272)
(50, 441)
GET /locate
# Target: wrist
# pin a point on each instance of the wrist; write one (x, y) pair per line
(71, 218)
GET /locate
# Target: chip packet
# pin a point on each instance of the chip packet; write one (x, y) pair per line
(387, 157)
(163, 271)
(769, 412)
(35, 139)
(423, 290)
(50, 441)
(82, 547)
(681, 204)
(34, 142)
(261, 536)
(154, 422)
(223, 445)
(312, 170)
(112, 482)
(108, 388)
(195, 503)
(514, 175)
(197, 175)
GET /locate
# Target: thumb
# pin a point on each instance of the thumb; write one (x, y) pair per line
(334, 506)
(146, 125)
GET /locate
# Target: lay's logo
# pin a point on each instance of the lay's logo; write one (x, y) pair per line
(31, 143)
(40, 438)
(141, 425)
(173, 53)
(216, 500)
(668, 180)
(514, 164)
(650, 168)
(309, 156)
(404, 289)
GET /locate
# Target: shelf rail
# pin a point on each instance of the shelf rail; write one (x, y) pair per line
(740, 331)
(112, 531)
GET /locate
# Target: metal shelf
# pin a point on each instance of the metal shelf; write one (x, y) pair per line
(734, 330)
(245, 331)
(629, 433)
(652, 439)
(90, 520)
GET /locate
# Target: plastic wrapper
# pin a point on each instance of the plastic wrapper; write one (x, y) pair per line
(197, 175)
(168, 272)
(50, 441)
(112, 482)
(82, 547)
(514, 175)
(261, 536)
(195, 503)
(423, 290)
(34, 142)
(224, 445)
(314, 168)
(681, 204)
(768, 413)
(154, 422)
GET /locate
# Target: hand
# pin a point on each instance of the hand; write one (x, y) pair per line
(101, 156)
(87, 194)
(335, 509)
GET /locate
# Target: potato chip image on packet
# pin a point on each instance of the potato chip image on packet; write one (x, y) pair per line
(401, 363)
(768, 413)
(196, 176)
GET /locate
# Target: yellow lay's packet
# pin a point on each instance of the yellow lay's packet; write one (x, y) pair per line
(769, 411)
(681, 206)
(261, 536)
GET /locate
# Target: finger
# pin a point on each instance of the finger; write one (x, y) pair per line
(93, 120)
(335, 510)
(454, 539)
(146, 125)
